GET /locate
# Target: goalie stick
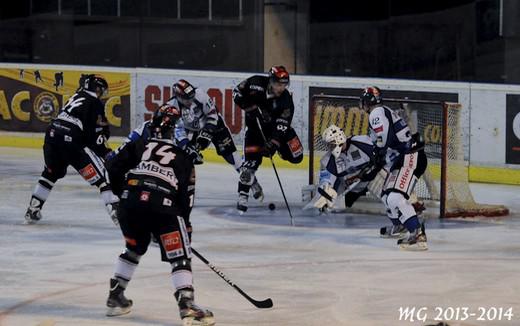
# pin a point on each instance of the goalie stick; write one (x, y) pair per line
(267, 303)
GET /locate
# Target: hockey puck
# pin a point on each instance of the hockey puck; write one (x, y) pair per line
(272, 206)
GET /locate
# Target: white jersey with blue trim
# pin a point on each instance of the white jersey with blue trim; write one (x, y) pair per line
(351, 161)
(389, 132)
(202, 113)
(140, 132)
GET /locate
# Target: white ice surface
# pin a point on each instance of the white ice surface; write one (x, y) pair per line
(57, 272)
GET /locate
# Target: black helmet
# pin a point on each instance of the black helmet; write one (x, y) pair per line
(371, 96)
(163, 121)
(95, 83)
(279, 74)
(184, 90)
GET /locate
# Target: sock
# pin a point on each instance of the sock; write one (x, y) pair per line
(412, 223)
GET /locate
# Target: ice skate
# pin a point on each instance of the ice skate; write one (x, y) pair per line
(190, 313)
(393, 231)
(416, 240)
(242, 203)
(257, 191)
(33, 213)
(117, 303)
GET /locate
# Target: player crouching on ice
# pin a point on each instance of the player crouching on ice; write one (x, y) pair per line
(269, 111)
(155, 181)
(346, 168)
(403, 154)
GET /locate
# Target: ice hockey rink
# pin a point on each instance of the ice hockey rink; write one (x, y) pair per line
(327, 270)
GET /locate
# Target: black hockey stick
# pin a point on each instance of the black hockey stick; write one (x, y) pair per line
(267, 303)
(275, 171)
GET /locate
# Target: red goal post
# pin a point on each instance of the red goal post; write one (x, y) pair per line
(446, 180)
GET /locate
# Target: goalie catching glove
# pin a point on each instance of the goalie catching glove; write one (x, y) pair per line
(323, 199)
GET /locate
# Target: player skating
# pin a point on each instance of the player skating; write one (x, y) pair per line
(268, 105)
(155, 181)
(77, 137)
(403, 156)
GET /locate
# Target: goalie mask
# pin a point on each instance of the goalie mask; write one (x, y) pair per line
(334, 137)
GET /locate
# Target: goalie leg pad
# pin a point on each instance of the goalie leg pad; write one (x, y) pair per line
(376, 185)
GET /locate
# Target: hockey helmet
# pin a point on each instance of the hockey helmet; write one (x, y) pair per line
(371, 96)
(184, 91)
(278, 74)
(334, 137)
(163, 121)
(96, 84)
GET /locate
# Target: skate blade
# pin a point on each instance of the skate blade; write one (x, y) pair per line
(191, 321)
(117, 311)
(29, 222)
(421, 246)
(394, 236)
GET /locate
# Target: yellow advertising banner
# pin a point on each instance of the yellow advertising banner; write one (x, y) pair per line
(31, 98)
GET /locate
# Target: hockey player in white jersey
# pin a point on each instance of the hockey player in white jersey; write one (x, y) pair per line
(347, 168)
(403, 156)
(202, 124)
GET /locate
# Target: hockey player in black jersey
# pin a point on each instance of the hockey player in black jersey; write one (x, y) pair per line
(155, 181)
(77, 137)
(266, 100)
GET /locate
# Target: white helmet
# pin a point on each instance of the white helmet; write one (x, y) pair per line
(334, 137)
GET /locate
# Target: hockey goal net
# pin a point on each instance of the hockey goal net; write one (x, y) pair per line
(445, 183)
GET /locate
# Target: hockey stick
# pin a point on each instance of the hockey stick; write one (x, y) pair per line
(267, 303)
(275, 171)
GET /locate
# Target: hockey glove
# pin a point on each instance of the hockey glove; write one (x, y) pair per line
(271, 147)
(195, 155)
(204, 139)
(189, 228)
(327, 197)
(417, 142)
(379, 158)
(251, 109)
